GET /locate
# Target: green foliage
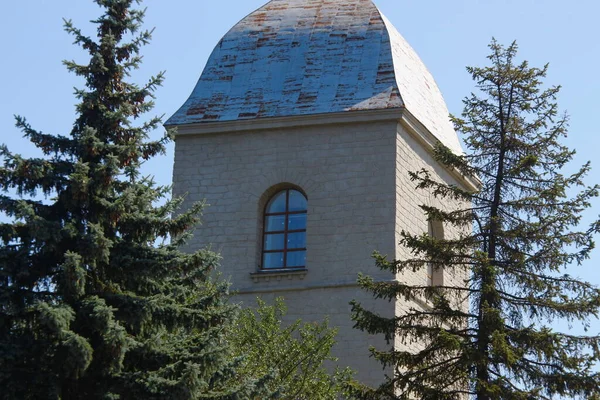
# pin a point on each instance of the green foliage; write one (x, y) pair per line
(91, 305)
(516, 237)
(294, 354)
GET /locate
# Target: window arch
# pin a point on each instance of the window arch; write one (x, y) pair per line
(284, 231)
(435, 274)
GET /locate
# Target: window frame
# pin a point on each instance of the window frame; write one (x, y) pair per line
(435, 274)
(286, 232)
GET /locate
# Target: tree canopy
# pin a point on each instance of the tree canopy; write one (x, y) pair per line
(96, 300)
(296, 354)
(521, 238)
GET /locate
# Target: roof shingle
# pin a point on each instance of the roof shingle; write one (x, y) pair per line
(303, 57)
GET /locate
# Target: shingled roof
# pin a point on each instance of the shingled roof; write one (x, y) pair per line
(305, 57)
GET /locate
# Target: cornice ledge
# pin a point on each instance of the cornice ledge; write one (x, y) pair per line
(297, 286)
(429, 141)
(346, 117)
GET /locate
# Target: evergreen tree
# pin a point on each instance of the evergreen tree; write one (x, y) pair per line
(91, 307)
(521, 232)
(294, 354)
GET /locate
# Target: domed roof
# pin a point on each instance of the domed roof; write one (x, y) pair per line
(303, 57)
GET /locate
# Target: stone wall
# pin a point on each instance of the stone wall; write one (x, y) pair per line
(348, 174)
(412, 157)
(360, 198)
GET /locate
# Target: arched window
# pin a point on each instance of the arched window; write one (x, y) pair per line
(435, 274)
(284, 238)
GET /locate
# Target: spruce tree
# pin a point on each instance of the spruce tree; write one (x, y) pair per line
(96, 300)
(521, 236)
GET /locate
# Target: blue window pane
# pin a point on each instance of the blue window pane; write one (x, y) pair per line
(297, 201)
(282, 248)
(296, 258)
(297, 222)
(275, 223)
(274, 242)
(297, 240)
(277, 204)
(272, 260)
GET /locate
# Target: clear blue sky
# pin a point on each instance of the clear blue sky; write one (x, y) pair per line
(448, 35)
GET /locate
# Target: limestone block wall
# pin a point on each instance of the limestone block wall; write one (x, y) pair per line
(412, 157)
(348, 172)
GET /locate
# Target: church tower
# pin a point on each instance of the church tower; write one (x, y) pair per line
(300, 134)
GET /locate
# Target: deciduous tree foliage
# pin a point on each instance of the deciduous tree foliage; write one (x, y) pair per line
(521, 235)
(294, 354)
(90, 306)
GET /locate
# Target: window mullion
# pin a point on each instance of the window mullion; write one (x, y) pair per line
(264, 241)
(285, 237)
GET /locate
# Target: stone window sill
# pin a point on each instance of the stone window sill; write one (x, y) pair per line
(279, 275)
